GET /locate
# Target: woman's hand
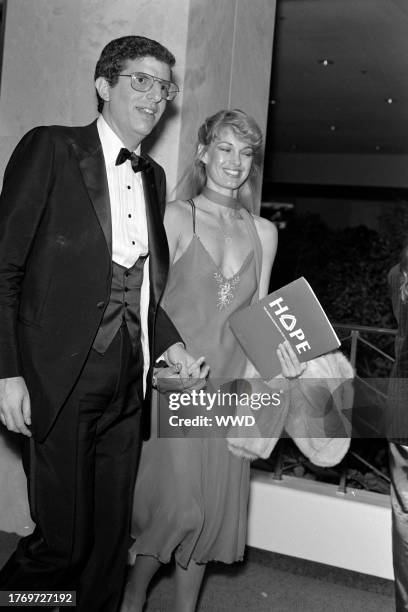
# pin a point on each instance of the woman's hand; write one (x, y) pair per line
(185, 373)
(187, 366)
(291, 366)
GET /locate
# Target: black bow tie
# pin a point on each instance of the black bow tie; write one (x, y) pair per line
(138, 163)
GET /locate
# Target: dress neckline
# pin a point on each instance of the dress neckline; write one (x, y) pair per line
(241, 269)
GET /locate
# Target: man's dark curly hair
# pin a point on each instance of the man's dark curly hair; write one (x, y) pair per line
(116, 53)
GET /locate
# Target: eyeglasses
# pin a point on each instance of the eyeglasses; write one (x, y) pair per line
(140, 81)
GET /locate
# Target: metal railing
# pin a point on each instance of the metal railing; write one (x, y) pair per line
(355, 334)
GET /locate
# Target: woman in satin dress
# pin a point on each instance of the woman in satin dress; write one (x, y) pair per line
(191, 494)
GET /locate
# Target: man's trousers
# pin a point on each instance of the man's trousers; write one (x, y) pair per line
(81, 481)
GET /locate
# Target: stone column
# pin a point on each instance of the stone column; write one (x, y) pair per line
(223, 50)
(229, 50)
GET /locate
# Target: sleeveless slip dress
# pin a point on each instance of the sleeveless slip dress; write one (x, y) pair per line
(191, 494)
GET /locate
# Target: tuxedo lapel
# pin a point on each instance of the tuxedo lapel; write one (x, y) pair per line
(158, 248)
(88, 149)
(91, 162)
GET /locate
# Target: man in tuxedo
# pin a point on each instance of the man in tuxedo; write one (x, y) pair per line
(83, 264)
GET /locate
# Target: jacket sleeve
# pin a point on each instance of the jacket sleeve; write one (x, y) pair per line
(166, 334)
(27, 182)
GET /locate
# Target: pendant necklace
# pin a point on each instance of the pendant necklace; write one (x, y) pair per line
(225, 286)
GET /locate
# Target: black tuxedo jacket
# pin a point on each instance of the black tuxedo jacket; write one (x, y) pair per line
(56, 263)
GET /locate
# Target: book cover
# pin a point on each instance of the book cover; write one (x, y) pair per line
(291, 313)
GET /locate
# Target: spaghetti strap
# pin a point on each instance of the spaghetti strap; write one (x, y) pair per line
(193, 212)
(250, 224)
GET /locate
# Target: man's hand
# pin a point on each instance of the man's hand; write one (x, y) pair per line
(189, 367)
(191, 373)
(15, 409)
(169, 379)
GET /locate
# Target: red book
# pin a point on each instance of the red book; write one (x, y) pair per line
(291, 313)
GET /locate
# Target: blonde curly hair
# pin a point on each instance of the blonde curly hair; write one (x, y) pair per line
(245, 128)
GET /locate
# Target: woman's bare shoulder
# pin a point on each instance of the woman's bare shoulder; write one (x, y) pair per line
(178, 211)
(265, 228)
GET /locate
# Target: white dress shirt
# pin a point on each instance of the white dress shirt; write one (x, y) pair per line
(129, 222)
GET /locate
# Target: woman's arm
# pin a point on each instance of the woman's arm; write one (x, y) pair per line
(268, 235)
(175, 226)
